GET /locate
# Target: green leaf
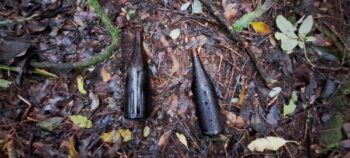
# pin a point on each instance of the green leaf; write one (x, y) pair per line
(174, 34)
(5, 83)
(51, 123)
(285, 26)
(306, 26)
(290, 108)
(196, 7)
(243, 22)
(185, 6)
(81, 121)
(80, 84)
(279, 35)
(301, 44)
(310, 39)
(288, 44)
(44, 73)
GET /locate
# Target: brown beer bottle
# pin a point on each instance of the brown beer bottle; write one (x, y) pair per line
(207, 105)
(137, 83)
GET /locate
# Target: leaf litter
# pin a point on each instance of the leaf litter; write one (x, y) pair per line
(59, 31)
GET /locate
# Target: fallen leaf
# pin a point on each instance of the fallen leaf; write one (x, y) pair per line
(95, 101)
(230, 11)
(247, 18)
(268, 143)
(81, 121)
(9, 49)
(111, 137)
(126, 134)
(243, 94)
(44, 73)
(5, 83)
(261, 28)
(50, 124)
(80, 83)
(174, 34)
(275, 91)
(164, 139)
(233, 120)
(185, 6)
(72, 151)
(105, 75)
(182, 139)
(290, 108)
(196, 7)
(146, 131)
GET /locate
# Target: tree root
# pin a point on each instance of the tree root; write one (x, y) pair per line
(236, 37)
(113, 31)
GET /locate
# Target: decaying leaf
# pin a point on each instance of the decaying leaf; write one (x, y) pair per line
(146, 131)
(111, 137)
(105, 75)
(81, 121)
(233, 120)
(164, 139)
(230, 11)
(290, 108)
(80, 84)
(72, 151)
(5, 83)
(182, 139)
(174, 34)
(268, 143)
(126, 134)
(261, 28)
(51, 123)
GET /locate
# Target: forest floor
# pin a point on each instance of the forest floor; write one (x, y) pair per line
(45, 112)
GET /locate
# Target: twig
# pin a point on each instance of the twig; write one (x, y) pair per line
(236, 37)
(113, 31)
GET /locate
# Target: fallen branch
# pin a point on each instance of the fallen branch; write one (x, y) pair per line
(113, 31)
(236, 37)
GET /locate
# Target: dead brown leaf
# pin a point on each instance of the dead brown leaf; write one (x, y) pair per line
(233, 120)
(106, 76)
(164, 139)
(230, 12)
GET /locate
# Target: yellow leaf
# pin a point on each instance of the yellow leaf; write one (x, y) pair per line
(105, 75)
(111, 137)
(126, 134)
(146, 131)
(72, 152)
(80, 83)
(182, 139)
(81, 121)
(268, 143)
(261, 28)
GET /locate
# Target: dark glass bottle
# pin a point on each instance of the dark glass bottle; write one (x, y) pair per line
(207, 105)
(137, 83)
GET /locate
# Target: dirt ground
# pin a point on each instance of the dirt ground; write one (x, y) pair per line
(70, 31)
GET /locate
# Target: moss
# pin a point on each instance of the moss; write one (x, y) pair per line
(331, 133)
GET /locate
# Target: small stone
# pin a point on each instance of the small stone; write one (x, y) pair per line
(346, 129)
(345, 145)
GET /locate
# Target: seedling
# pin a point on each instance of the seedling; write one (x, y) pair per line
(287, 36)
